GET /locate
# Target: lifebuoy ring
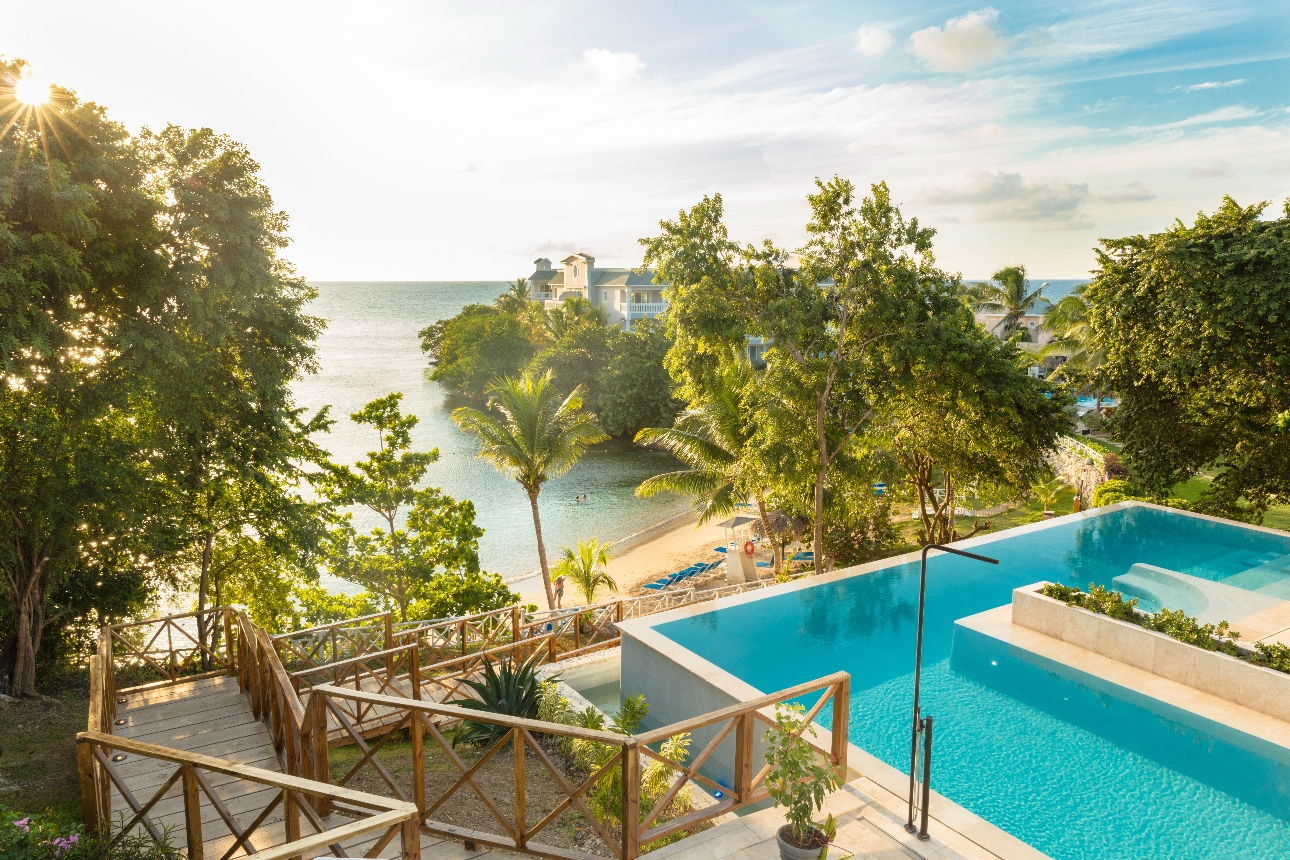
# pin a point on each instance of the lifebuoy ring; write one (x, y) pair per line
(749, 549)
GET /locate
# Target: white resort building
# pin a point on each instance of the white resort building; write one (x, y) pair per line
(624, 294)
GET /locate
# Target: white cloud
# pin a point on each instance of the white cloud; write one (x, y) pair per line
(1213, 85)
(613, 68)
(1134, 194)
(1219, 169)
(873, 40)
(962, 44)
(1007, 197)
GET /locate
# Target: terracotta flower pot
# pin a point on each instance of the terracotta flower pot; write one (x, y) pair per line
(789, 851)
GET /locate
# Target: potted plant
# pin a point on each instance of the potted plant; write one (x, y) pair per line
(799, 782)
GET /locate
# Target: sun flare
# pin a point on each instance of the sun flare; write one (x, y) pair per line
(31, 91)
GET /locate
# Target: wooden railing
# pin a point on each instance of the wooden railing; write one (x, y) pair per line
(211, 788)
(509, 824)
(162, 651)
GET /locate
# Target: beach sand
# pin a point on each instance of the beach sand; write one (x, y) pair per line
(638, 562)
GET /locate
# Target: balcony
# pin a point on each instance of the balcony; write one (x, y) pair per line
(639, 310)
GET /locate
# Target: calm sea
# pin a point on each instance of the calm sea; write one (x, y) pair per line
(370, 348)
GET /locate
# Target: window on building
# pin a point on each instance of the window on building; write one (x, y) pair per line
(575, 271)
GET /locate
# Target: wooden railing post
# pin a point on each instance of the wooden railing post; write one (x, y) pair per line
(631, 801)
(414, 734)
(577, 630)
(550, 646)
(230, 667)
(291, 814)
(389, 643)
(318, 732)
(841, 723)
(192, 812)
(461, 634)
(521, 819)
(744, 730)
(410, 837)
(515, 623)
(618, 612)
(91, 797)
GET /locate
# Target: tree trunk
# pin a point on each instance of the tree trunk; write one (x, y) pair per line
(28, 626)
(817, 543)
(949, 509)
(201, 599)
(546, 572)
(776, 550)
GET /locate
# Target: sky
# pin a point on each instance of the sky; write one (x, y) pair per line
(454, 141)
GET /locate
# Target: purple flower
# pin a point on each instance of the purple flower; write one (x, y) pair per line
(22, 823)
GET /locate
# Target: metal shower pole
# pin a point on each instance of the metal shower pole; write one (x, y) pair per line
(918, 671)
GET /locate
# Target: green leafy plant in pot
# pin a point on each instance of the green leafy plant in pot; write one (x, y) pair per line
(799, 782)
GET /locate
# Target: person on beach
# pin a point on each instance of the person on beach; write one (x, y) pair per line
(559, 591)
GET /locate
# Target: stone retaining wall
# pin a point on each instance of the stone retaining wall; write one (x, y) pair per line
(1082, 468)
(1256, 687)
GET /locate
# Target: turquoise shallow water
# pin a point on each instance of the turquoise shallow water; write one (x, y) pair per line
(1079, 768)
(370, 348)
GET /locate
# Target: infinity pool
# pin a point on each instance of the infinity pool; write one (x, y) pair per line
(1079, 768)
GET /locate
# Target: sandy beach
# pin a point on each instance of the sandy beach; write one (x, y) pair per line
(634, 562)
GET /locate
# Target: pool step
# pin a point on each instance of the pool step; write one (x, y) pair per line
(1209, 602)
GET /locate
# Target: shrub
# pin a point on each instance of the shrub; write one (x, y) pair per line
(511, 689)
(1274, 655)
(1068, 594)
(1115, 468)
(26, 837)
(1111, 492)
(1111, 603)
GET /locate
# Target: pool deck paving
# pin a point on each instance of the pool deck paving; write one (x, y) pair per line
(871, 826)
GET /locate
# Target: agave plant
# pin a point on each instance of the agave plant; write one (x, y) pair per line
(507, 688)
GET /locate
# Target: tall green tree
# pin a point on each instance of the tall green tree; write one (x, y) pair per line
(966, 413)
(1193, 322)
(476, 346)
(867, 277)
(222, 355)
(635, 388)
(532, 435)
(402, 561)
(1073, 336)
(80, 254)
(1010, 295)
(714, 437)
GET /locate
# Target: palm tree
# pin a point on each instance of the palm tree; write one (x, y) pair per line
(575, 309)
(1011, 296)
(586, 568)
(713, 438)
(531, 435)
(1073, 338)
(516, 298)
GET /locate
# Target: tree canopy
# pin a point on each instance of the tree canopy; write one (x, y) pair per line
(1195, 326)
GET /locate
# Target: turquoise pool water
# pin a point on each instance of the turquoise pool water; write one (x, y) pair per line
(1079, 768)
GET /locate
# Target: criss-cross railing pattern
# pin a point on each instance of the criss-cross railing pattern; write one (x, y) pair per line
(734, 739)
(208, 786)
(161, 651)
(332, 643)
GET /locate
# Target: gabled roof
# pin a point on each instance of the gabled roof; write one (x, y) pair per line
(580, 256)
(626, 278)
